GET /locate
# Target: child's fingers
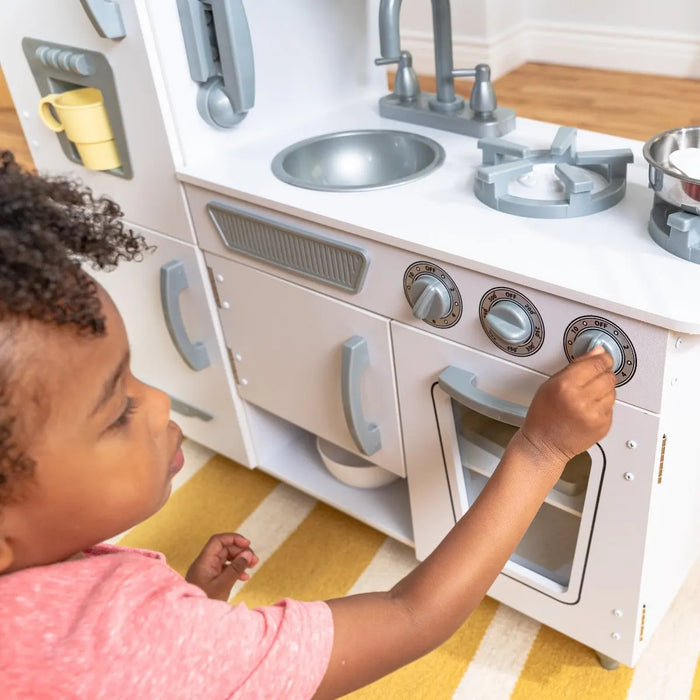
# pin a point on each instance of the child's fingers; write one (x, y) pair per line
(234, 552)
(223, 544)
(231, 538)
(236, 570)
(591, 365)
(601, 386)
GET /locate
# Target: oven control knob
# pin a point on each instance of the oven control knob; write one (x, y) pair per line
(587, 340)
(587, 332)
(429, 298)
(432, 294)
(509, 321)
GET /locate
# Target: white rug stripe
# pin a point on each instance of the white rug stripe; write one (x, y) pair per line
(273, 521)
(390, 564)
(666, 668)
(501, 655)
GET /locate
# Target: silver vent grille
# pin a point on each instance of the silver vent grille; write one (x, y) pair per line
(289, 247)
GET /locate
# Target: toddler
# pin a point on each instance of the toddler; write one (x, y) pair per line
(87, 451)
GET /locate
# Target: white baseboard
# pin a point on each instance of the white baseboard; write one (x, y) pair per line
(589, 46)
(503, 54)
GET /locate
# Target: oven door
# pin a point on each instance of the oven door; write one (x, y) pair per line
(476, 403)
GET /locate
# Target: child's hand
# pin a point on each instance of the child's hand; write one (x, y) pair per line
(572, 410)
(221, 563)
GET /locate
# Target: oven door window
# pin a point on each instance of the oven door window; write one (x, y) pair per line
(551, 557)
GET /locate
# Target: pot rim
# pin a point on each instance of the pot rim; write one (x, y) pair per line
(667, 169)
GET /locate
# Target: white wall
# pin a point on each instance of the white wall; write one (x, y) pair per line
(669, 16)
(645, 36)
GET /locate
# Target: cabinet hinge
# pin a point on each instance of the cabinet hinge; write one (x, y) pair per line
(233, 364)
(215, 291)
(660, 475)
(641, 624)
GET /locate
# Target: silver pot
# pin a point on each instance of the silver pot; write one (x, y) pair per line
(667, 181)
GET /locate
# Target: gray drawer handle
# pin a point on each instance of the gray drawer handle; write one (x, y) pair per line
(366, 435)
(173, 280)
(460, 385)
(106, 17)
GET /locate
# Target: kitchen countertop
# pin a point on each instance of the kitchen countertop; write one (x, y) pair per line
(606, 259)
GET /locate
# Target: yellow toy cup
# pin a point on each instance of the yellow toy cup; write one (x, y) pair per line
(81, 114)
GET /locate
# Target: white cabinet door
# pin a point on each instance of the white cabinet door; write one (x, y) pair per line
(319, 363)
(176, 341)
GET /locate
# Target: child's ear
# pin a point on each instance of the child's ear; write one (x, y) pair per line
(6, 554)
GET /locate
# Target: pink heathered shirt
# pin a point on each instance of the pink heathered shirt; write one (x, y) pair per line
(120, 623)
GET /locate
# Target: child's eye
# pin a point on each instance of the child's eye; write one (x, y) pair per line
(126, 414)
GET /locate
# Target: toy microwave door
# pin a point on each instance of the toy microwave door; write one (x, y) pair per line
(85, 88)
(176, 342)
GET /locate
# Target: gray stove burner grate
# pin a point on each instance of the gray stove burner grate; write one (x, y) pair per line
(675, 230)
(503, 161)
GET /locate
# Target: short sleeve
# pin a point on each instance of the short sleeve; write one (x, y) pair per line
(127, 626)
(177, 643)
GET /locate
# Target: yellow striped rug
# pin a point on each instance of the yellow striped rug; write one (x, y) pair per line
(310, 551)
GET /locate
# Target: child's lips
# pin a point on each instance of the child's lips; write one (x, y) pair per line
(178, 460)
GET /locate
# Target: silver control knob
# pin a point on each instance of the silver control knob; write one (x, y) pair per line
(509, 322)
(429, 297)
(585, 341)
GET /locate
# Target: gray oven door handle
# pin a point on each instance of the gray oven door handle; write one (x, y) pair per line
(366, 435)
(173, 280)
(106, 17)
(460, 385)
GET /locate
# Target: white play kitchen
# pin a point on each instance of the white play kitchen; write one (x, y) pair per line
(360, 292)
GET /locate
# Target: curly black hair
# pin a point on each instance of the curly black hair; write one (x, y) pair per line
(48, 227)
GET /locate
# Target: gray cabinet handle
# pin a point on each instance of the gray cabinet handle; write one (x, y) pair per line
(187, 409)
(460, 385)
(106, 17)
(366, 435)
(173, 280)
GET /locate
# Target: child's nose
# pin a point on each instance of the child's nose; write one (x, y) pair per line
(160, 408)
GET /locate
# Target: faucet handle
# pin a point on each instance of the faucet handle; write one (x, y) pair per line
(386, 61)
(406, 86)
(482, 100)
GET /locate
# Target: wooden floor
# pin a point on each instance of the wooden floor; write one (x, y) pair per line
(634, 105)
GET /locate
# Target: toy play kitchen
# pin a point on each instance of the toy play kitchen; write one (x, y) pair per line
(349, 279)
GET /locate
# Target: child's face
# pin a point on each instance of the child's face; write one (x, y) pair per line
(105, 451)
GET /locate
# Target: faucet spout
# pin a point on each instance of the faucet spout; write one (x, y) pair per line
(442, 34)
(389, 36)
(390, 46)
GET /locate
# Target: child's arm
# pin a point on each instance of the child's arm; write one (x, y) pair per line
(376, 633)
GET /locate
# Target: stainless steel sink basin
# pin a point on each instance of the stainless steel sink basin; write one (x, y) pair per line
(351, 161)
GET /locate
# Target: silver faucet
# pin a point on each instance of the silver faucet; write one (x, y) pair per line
(444, 110)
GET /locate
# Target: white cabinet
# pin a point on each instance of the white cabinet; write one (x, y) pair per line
(319, 363)
(176, 343)
(51, 46)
